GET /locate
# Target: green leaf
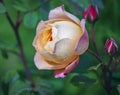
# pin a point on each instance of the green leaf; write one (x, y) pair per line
(55, 3)
(84, 64)
(57, 84)
(18, 87)
(10, 76)
(4, 53)
(5, 87)
(115, 91)
(98, 3)
(44, 5)
(95, 67)
(2, 8)
(82, 3)
(75, 6)
(115, 78)
(79, 80)
(44, 87)
(30, 19)
(44, 15)
(1, 90)
(118, 88)
(18, 5)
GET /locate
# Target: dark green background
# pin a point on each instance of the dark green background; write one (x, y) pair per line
(12, 76)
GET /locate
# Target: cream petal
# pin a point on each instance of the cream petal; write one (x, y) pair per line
(83, 42)
(42, 64)
(57, 13)
(63, 53)
(64, 48)
(34, 42)
(63, 72)
(60, 13)
(72, 17)
(40, 26)
(68, 29)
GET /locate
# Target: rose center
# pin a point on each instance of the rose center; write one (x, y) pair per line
(44, 37)
(52, 40)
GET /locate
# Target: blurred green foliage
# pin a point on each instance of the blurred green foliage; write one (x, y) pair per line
(82, 80)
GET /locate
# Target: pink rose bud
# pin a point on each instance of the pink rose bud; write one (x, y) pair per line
(111, 46)
(91, 13)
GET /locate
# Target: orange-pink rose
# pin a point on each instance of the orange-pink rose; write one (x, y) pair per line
(59, 41)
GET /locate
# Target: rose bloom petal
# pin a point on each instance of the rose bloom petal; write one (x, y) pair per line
(39, 27)
(74, 31)
(60, 13)
(62, 53)
(62, 48)
(40, 62)
(83, 42)
(43, 64)
(63, 72)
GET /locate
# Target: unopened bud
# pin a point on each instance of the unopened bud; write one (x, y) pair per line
(91, 13)
(111, 46)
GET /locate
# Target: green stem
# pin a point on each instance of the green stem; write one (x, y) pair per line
(94, 40)
(107, 77)
(95, 55)
(116, 61)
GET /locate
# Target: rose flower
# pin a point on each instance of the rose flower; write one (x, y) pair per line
(59, 42)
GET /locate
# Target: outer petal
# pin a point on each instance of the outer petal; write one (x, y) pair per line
(40, 26)
(83, 42)
(63, 53)
(63, 72)
(42, 64)
(60, 13)
(64, 48)
(68, 29)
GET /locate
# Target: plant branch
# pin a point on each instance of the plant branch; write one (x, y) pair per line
(94, 41)
(116, 61)
(94, 54)
(109, 62)
(22, 55)
(107, 73)
(18, 20)
(107, 76)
